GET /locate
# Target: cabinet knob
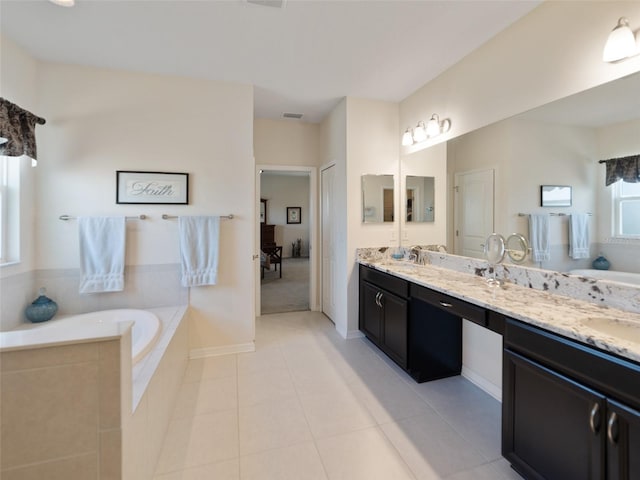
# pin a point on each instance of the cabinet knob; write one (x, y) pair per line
(612, 428)
(594, 419)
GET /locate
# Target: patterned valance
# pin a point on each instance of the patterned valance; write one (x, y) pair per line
(17, 130)
(626, 169)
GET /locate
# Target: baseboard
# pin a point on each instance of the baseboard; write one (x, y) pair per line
(223, 350)
(483, 383)
(354, 334)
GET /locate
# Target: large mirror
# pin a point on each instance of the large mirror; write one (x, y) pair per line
(377, 198)
(420, 198)
(504, 165)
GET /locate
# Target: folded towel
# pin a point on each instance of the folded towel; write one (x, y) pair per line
(579, 236)
(539, 237)
(199, 239)
(102, 247)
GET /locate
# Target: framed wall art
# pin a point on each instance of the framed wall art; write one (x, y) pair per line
(166, 188)
(294, 215)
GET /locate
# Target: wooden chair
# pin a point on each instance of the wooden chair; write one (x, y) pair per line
(275, 257)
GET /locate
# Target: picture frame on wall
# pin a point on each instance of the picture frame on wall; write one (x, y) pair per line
(164, 188)
(294, 214)
(555, 195)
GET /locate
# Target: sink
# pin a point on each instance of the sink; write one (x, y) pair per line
(623, 329)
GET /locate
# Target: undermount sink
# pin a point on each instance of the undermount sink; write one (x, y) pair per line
(623, 329)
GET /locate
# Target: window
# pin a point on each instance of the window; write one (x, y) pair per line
(626, 205)
(9, 209)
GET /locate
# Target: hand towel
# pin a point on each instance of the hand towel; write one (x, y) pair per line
(579, 236)
(102, 247)
(199, 241)
(539, 237)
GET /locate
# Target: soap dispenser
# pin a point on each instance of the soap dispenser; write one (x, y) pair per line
(42, 308)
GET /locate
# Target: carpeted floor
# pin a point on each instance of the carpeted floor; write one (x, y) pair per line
(289, 293)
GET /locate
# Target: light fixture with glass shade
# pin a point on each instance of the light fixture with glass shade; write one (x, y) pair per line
(407, 137)
(621, 43)
(420, 132)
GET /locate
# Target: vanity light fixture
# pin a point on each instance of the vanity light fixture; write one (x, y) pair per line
(421, 132)
(407, 137)
(621, 43)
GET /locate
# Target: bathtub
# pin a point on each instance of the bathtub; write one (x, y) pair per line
(620, 277)
(145, 329)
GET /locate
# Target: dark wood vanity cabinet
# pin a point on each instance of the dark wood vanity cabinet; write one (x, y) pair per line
(383, 312)
(569, 411)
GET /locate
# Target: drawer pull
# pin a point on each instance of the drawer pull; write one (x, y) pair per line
(594, 419)
(445, 304)
(612, 429)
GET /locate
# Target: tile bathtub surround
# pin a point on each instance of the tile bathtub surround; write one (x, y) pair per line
(56, 419)
(599, 292)
(146, 286)
(311, 405)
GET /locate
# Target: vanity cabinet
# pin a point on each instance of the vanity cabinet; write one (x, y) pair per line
(383, 312)
(569, 411)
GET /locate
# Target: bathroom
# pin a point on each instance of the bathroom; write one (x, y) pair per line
(135, 124)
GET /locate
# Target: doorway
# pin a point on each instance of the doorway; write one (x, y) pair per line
(286, 239)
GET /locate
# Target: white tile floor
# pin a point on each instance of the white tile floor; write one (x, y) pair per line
(309, 405)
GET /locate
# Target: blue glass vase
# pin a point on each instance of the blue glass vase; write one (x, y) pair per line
(601, 263)
(42, 308)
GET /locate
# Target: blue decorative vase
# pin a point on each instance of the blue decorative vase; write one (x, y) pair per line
(601, 263)
(42, 308)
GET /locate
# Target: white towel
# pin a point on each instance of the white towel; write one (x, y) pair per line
(539, 237)
(199, 239)
(579, 236)
(102, 247)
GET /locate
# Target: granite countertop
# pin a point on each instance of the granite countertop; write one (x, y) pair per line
(607, 328)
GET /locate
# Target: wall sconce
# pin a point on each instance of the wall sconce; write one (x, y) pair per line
(621, 43)
(421, 132)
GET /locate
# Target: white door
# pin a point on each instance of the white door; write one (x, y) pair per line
(474, 204)
(328, 234)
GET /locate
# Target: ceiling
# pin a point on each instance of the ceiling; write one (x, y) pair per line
(302, 58)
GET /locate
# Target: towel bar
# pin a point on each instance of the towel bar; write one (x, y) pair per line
(69, 217)
(167, 217)
(552, 214)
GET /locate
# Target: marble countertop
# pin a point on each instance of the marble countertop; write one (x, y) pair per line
(610, 329)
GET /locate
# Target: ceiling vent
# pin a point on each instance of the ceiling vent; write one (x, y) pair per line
(292, 115)
(268, 3)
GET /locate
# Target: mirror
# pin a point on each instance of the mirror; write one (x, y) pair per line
(377, 198)
(555, 196)
(517, 248)
(556, 144)
(420, 195)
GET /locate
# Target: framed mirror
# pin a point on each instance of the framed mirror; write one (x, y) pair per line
(377, 198)
(420, 197)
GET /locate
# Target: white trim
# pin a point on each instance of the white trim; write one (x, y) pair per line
(484, 384)
(223, 350)
(354, 334)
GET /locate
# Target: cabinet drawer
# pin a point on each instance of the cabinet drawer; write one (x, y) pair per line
(454, 305)
(383, 280)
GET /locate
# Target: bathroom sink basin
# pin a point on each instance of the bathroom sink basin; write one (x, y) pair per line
(625, 330)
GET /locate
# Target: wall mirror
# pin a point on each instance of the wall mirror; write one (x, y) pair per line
(377, 198)
(555, 196)
(560, 144)
(420, 197)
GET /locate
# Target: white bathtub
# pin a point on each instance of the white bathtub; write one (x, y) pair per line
(145, 329)
(620, 277)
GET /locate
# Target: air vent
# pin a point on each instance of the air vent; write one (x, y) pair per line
(269, 3)
(292, 115)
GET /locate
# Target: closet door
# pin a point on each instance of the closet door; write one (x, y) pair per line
(328, 241)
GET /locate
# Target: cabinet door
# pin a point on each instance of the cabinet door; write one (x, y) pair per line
(370, 312)
(552, 426)
(623, 442)
(394, 327)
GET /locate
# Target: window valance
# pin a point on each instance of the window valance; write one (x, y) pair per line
(17, 130)
(626, 169)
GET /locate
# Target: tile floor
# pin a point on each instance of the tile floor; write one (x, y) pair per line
(309, 405)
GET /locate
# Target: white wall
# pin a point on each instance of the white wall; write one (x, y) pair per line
(100, 121)
(284, 191)
(286, 142)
